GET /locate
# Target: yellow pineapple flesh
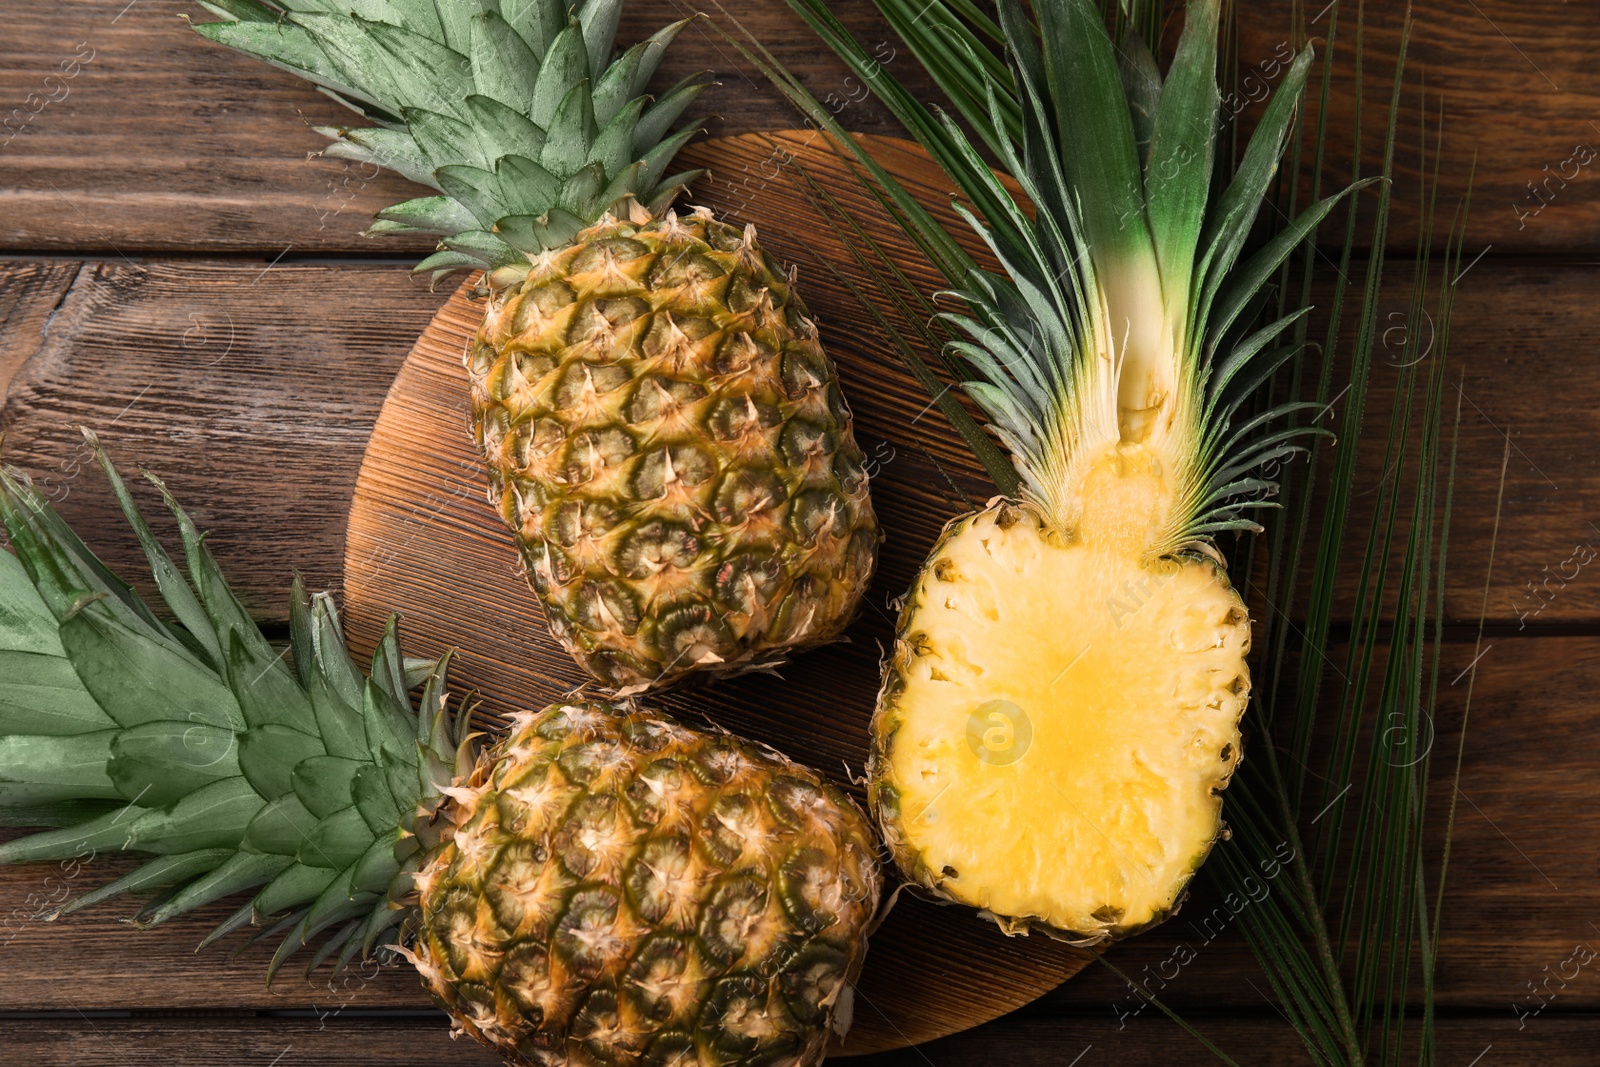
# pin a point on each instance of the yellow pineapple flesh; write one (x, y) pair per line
(1057, 723)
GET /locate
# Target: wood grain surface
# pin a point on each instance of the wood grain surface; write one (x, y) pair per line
(29, 296)
(172, 174)
(1501, 898)
(1513, 85)
(335, 1041)
(261, 535)
(1520, 896)
(212, 375)
(162, 142)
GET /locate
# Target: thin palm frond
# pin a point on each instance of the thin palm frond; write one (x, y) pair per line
(1329, 810)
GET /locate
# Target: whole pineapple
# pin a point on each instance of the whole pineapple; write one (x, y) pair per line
(664, 434)
(1059, 717)
(620, 889)
(604, 885)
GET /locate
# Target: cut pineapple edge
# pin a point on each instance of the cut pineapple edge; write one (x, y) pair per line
(1062, 713)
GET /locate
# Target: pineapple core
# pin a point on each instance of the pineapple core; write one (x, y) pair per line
(1061, 720)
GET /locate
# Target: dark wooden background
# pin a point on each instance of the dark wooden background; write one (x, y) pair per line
(174, 273)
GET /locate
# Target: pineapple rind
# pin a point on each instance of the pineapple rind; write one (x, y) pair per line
(619, 887)
(1028, 861)
(667, 441)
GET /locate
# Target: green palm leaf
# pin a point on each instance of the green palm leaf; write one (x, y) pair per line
(1346, 936)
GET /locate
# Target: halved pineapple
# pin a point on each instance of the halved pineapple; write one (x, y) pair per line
(1058, 723)
(1060, 715)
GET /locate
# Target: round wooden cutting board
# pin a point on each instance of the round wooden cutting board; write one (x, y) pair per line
(424, 543)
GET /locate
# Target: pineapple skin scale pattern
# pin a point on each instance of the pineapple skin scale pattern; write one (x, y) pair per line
(619, 889)
(1056, 726)
(667, 441)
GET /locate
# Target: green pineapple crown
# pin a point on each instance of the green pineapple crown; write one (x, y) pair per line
(1121, 321)
(1116, 325)
(511, 109)
(197, 744)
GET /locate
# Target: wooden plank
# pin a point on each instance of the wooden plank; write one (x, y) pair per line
(1513, 84)
(94, 960)
(1520, 896)
(331, 1041)
(1256, 1041)
(1508, 820)
(29, 294)
(1015, 1041)
(251, 390)
(161, 142)
(264, 445)
(861, 651)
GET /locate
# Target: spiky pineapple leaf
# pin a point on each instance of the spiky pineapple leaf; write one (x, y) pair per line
(457, 88)
(1182, 141)
(1094, 135)
(196, 743)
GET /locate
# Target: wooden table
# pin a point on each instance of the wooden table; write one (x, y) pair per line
(175, 274)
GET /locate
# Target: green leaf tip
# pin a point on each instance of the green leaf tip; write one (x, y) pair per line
(236, 766)
(455, 89)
